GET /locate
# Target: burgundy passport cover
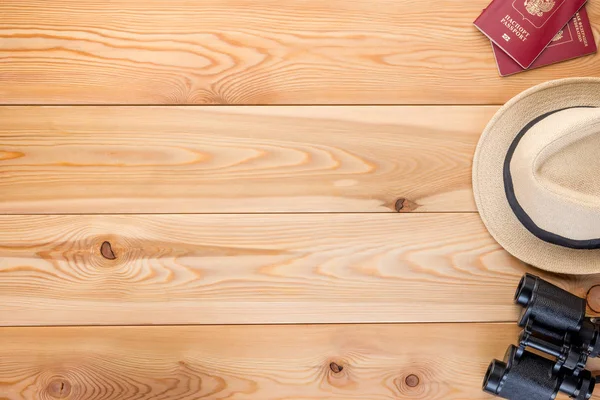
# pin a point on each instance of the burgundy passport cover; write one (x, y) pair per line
(574, 40)
(523, 28)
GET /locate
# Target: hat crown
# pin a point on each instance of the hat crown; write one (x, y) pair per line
(555, 171)
(572, 168)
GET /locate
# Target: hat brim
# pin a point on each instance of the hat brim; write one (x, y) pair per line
(488, 181)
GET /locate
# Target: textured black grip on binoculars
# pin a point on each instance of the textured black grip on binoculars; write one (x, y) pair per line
(549, 305)
(526, 378)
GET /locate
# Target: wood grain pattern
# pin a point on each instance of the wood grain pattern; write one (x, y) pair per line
(251, 362)
(237, 159)
(234, 269)
(256, 52)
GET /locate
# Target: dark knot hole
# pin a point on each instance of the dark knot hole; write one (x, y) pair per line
(412, 380)
(107, 251)
(335, 367)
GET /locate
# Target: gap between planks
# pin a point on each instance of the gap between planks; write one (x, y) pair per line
(191, 325)
(497, 105)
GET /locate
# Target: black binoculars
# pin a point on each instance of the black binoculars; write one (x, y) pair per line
(554, 324)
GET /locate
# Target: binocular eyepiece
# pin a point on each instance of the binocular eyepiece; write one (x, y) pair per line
(554, 323)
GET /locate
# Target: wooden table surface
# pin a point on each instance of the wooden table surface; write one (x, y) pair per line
(243, 199)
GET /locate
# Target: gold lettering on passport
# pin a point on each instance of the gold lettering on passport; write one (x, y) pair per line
(581, 36)
(515, 28)
(539, 7)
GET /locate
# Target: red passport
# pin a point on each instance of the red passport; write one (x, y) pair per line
(574, 40)
(523, 28)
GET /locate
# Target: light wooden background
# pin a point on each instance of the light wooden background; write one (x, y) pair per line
(243, 199)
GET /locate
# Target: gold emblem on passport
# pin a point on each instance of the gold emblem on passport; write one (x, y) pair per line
(558, 36)
(539, 7)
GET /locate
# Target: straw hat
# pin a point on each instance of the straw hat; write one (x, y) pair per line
(536, 176)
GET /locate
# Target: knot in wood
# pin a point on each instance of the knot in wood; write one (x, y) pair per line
(335, 367)
(400, 204)
(404, 205)
(107, 251)
(59, 388)
(412, 380)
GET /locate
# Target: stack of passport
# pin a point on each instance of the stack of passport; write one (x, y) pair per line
(527, 34)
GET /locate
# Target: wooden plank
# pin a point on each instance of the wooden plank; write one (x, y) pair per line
(234, 269)
(237, 159)
(434, 361)
(444, 361)
(256, 52)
